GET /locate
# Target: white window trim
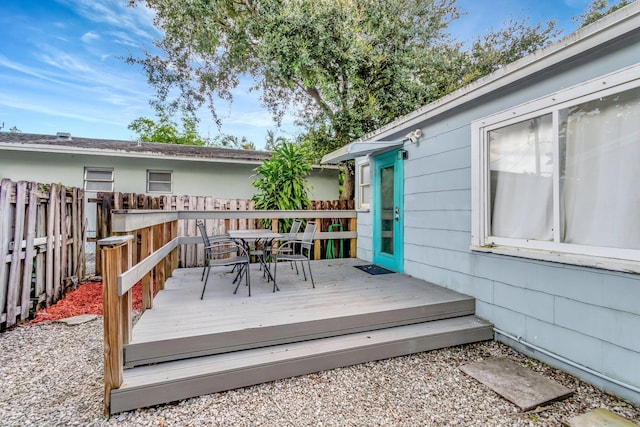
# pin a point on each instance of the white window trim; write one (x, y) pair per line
(97, 169)
(363, 206)
(150, 171)
(599, 257)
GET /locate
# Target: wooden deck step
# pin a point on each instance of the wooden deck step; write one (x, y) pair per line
(170, 381)
(181, 326)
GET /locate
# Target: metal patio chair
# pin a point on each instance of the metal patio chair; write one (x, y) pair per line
(211, 239)
(291, 235)
(296, 250)
(223, 251)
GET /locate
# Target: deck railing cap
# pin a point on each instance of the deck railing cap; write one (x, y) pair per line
(114, 240)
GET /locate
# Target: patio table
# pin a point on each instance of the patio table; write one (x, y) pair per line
(264, 236)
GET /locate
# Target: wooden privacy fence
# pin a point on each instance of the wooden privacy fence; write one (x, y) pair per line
(157, 257)
(42, 235)
(192, 255)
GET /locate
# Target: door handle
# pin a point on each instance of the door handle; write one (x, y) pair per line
(396, 213)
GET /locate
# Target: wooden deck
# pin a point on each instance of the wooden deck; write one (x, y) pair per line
(227, 341)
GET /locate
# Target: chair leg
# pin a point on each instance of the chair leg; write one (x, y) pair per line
(275, 272)
(303, 272)
(248, 278)
(205, 282)
(203, 270)
(310, 275)
(238, 278)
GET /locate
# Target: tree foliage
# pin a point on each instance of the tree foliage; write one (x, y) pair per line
(166, 131)
(281, 180)
(598, 9)
(232, 141)
(347, 67)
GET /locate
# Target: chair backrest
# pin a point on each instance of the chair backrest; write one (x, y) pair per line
(203, 233)
(307, 235)
(295, 228)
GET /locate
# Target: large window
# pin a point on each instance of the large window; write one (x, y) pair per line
(159, 181)
(560, 181)
(98, 179)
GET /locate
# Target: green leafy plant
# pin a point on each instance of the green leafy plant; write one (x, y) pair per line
(281, 181)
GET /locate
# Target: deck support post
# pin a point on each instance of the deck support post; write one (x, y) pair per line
(159, 241)
(353, 243)
(317, 247)
(173, 225)
(116, 256)
(146, 249)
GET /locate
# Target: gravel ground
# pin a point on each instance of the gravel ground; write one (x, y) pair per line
(51, 375)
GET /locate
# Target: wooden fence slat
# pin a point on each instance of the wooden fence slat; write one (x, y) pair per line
(5, 229)
(64, 233)
(29, 254)
(200, 204)
(40, 291)
(75, 233)
(14, 269)
(51, 216)
(57, 264)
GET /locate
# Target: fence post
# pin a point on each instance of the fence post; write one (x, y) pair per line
(353, 243)
(112, 254)
(317, 247)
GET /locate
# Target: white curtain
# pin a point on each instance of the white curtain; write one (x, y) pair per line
(601, 182)
(521, 165)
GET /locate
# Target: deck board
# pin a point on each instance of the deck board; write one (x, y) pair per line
(345, 300)
(166, 382)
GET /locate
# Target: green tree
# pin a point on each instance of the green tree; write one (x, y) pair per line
(598, 9)
(166, 130)
(232, 141)
(281, 180)
(346, 66)
(271, 141)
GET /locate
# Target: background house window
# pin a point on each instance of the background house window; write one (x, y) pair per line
(98, 179)
(562, 178)
(364, 186)
(159, 181)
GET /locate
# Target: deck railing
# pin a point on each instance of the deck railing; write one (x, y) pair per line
(125, 263)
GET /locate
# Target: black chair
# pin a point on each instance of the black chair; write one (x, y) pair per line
(211, 239)
(225, 252)
(296, 250)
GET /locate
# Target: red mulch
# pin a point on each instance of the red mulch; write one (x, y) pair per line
(87, 299)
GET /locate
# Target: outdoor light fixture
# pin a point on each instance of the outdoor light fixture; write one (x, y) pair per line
(414, 136)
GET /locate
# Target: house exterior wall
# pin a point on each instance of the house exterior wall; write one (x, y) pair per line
(221, 180)
(587, 316)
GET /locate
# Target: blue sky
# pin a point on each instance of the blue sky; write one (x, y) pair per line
(61, 66)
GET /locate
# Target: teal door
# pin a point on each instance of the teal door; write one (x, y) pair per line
(388, 209)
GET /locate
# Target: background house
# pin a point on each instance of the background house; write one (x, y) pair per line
(521, 190)
(141, 167)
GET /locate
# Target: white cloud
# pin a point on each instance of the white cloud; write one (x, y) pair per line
(55, 109)
(65, 61)
(90, 36)
(136, 20)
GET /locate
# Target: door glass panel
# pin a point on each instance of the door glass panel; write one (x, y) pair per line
(387, 206)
